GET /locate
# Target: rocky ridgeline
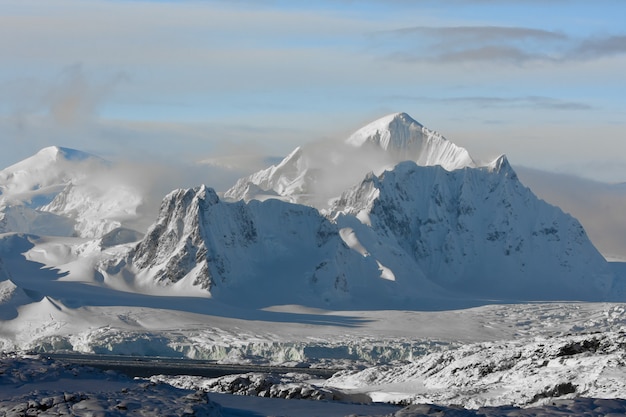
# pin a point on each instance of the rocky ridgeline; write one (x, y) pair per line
(288, 386)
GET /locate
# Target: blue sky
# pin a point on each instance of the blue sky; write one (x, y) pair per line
(542, 81)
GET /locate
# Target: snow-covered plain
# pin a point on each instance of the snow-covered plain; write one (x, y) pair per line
(432, 281)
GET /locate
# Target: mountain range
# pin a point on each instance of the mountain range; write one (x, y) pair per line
(393, 255)
(395, 216)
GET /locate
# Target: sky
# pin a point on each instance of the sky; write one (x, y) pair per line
(241, 82)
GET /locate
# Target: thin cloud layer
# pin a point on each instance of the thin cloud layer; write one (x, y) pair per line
(517, 45)
(595, 48)
(535, 102)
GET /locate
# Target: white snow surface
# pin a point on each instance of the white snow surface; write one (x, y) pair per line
(46, 170)
(32, 385)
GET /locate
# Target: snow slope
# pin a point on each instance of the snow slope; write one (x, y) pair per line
(407, 140)
(600, 207)
(43, 174)
(519, 354)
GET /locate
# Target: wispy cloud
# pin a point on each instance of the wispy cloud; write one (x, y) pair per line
(75, 98)
(500, 44)
(470, 34)
(600, 47)
(530, 102)
(71, 99)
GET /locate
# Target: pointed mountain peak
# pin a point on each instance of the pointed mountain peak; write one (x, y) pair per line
(403, 118)
(49, 151)
(315, 175)
(48, 171)
(388, 131)
(390, 120)
(186, 196)
(502, 166)
(207, 194)
(403, 138)
(58, 152)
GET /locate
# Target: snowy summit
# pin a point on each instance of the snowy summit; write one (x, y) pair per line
(407, 140)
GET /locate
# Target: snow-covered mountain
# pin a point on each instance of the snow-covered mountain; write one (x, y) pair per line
(96, 208)
(407, 140)
(315, 174)
(261, 253)
(63, 192)
(44, 174)
(476, 231)
(433, 227)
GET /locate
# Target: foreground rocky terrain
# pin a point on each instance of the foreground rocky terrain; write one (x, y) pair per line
(34, 386)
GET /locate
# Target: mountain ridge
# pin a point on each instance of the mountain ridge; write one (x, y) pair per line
(418, 230)
(478, 227)
(410, 234)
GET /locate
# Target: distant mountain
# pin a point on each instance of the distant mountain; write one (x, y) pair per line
(314, 175)
(433, 229)
(407, 140)
(37, 179)
(64, 192)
